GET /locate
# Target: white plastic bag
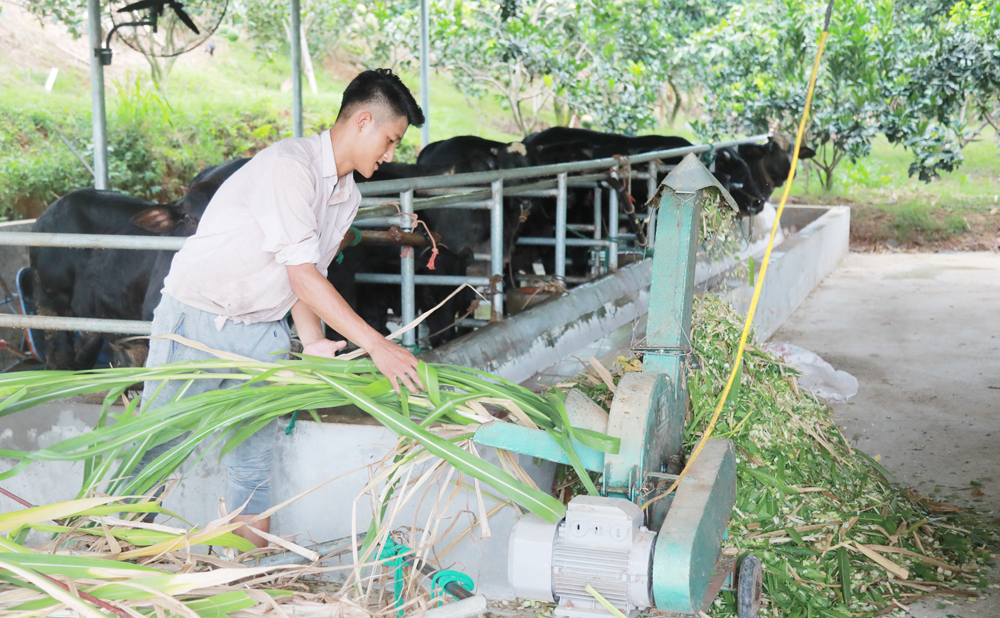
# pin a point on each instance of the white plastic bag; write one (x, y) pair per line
(818, 376)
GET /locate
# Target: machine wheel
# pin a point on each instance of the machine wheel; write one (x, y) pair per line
(749, 587)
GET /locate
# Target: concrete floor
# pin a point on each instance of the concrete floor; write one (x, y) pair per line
(921, 332)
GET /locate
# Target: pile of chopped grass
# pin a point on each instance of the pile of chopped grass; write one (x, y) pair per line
(837, 539)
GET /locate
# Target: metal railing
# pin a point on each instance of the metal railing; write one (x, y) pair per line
(382, 204)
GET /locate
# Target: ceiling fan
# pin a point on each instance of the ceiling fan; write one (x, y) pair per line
(164, 27)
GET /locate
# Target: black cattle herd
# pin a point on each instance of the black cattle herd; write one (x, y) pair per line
(125, 284)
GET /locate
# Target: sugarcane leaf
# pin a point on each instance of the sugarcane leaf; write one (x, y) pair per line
(179, 542)
(78, 566)
(133, 507)
(536, 501)
(844, 562)
(173, 584)
(54, 591)
(428, 375)
(8, 546)
(49, 512)
(221, 605)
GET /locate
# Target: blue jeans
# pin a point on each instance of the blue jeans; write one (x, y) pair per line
(249, 464)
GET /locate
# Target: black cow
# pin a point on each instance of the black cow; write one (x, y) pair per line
(96, 283)
(120, 284)
(770, 164)
(733, 173)
(460, 229)
(373, 301)
(475, 154)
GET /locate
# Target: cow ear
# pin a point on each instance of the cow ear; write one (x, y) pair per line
(805, 152)
(467, 253)
(158, 219)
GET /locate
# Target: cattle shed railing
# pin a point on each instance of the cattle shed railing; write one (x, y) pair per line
(393, 202)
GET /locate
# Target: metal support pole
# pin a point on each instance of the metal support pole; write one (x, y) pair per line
(496, 245)
(650, 190)
(97, 117)
(296, 43)
(561, 225)
(425, 69)
(598, 192)
(612, 230)
(407, 292)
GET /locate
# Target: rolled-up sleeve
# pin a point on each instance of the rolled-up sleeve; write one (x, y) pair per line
(282, 206)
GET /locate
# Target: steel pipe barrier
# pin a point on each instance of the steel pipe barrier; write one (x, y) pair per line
(388, 202)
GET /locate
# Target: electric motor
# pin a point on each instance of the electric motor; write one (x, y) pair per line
(602, 542)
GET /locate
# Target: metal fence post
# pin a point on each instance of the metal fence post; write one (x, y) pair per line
(651, 212)
(97, 114)
(612, 229)
(295, 41)
(425, 80)
(496, 244)
(598, 192)
(407, 293)
(561, 226)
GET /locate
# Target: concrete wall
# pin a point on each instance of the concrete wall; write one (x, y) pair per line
(797, 266)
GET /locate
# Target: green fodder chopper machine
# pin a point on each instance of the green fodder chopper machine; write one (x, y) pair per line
(635, 545)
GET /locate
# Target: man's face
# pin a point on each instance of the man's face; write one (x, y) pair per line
(377, 141)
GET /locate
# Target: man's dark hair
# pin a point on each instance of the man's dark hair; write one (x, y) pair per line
(382, 87)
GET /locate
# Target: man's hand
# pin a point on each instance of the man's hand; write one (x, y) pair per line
(397, 364)
(318, 299)
(326, 348)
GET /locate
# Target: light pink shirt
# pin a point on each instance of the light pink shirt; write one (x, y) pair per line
(287, 206)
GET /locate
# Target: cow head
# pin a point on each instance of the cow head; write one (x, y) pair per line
(770, 163)
(735, 176)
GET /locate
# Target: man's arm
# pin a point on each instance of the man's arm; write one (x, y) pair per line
(321, 300)
(310, 329)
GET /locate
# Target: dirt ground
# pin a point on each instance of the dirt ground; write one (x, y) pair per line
(873, 229)
(921, 332)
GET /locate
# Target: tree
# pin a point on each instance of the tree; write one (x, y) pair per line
(268, 27)
(947, 90)
(511, 51)
(757, 65)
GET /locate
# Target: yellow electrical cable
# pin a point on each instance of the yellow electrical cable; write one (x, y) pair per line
(763, 265)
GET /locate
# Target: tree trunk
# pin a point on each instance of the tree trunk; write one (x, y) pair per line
(677, 102)
(307, 63)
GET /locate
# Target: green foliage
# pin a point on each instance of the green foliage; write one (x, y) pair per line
(757, 72)
(924, 75)
(946, 85)
(154, 148)
(267, 26)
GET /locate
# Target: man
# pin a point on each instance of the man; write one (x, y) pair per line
(263, 248)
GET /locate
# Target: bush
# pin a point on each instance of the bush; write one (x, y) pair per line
(154, 148)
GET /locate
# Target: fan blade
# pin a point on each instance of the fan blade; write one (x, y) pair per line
(142, 5)
(184, 17)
